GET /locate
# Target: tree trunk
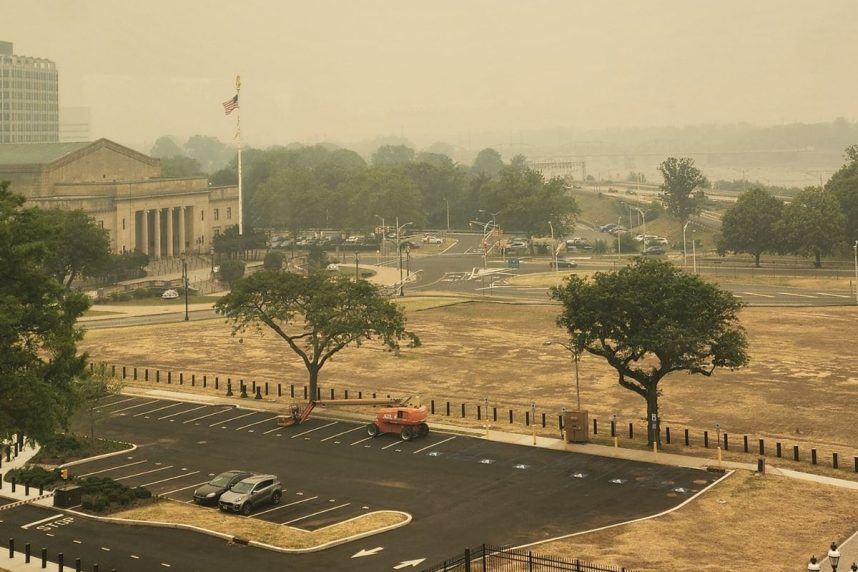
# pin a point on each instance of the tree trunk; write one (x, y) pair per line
(653, 422)
(757, 259)
(314, 383)
(818, 262)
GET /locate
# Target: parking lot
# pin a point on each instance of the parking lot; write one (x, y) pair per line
(460, 490)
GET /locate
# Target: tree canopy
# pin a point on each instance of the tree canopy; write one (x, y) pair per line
(844, 186)
(812, 224)
(38, 338)
(749, 224)
(180, 166)
(650, 319)
(316, 315)
(488, 162)
(681, 179)
(392, 156)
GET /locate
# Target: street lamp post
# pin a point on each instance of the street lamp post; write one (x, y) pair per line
(399, 249)
(694, 250)
(833, 557)
(185, 283)
(813, 565)
(383, 235)
(619, 232)
(553, 249)
(643, 216)
(446, 202)
(684, 247)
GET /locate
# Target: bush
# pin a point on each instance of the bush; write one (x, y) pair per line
(34, 476)
(61, 446)
(600, 247)
(231, 270)
(95, 503)
(273, 260)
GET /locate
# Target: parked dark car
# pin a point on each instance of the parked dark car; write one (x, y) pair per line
(563, 263)
(211, 492)
(655, 250)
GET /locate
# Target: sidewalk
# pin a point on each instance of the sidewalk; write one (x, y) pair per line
(20, 493)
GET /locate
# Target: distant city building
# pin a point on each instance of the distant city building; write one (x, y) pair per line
(74, 124)
(124, 192)
(29, 98)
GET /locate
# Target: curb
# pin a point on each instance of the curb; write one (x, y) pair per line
(231, 538)
(99, 457)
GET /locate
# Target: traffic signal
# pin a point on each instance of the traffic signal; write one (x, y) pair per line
(64, 474)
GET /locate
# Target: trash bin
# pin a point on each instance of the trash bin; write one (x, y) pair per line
(576, 424)
(67, 496)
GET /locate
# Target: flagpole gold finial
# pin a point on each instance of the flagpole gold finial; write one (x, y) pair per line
(238, 83)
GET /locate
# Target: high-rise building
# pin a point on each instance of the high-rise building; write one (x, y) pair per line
(29, 98)
(74, 124)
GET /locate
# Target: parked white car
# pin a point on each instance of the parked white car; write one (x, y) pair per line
(428, 239)
(641, 237)
(333, 267)
(170, 294)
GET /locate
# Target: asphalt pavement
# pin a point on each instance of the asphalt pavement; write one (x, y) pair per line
(461, 491)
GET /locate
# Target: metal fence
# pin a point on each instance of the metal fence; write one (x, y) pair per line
(487, 558)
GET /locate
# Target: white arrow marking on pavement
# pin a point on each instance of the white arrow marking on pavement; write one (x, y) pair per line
(407, 563)
(370, 552)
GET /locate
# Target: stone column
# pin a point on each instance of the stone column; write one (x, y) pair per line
(144, 231)
(182, 223)
(170, 253)
(157, 232)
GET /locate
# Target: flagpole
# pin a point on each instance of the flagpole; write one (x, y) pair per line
(238, 136)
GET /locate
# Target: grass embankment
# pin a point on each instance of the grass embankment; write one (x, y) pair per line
(271, 533)
(158, 301)
(65, 448)
(766, 523)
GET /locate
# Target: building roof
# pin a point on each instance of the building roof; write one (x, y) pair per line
(37, 153)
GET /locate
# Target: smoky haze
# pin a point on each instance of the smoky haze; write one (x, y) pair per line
(441, 70)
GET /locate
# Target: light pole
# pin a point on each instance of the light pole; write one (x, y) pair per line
(553, 250)
(694, 249)
(185, 282)
(813, 565)
(383, 235)
(446, 202)
(833, 557)
(684, 247)
(576, 357)
(855, 248)
(643, 216)
(399, 248)
(619, 232)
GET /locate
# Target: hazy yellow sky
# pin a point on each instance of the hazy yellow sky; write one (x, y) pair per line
(354, 69)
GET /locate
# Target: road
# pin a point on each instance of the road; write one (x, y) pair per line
(461, 491)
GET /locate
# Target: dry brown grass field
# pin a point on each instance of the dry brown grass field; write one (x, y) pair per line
(800, 387)
(769, 523)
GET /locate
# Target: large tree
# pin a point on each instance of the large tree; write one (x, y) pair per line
(681, 180)
(392, 156)
(38, 338)
(316, 315)
(180, 166)
(488, 162)
(76, 246)
(165, 147)
(651, 319)
(812, 224)
(749, 224)
(844, 185)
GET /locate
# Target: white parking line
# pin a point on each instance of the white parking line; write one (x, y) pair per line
(338, 434)
(281, 506)
(26, 526)
(182, 412)
(793, 294)
(317, 513)
(114, 468)
(184, 488)
(755, 294)
(232, 419)
(154, 410)
(434, 444)
(144, 473)
(208, 415)
(316, 429)
(100, 407)
(170, 479)
(278, 428)
(389, 446)
(256, 423)
(134, 406)
(361, 441)
(835, 295)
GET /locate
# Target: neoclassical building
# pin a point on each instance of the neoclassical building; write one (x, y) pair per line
(123, 190)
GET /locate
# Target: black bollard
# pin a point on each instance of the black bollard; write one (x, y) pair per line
(60, 561)
(11, 548)
(77, 565)
(44, 557)
(229, 388)
(243, 394)
(258, 393)
(27, 553)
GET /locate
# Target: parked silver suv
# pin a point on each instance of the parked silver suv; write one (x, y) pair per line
(251, 492)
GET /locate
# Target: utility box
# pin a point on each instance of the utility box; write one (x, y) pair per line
(577, 426)
(512, 262)
(67, 496)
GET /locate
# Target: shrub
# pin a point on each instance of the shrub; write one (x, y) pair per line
(231, 270)
(600, 247)
(273, 260)
(95, 502)
(34, 476)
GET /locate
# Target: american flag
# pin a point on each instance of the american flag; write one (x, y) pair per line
(230, 105)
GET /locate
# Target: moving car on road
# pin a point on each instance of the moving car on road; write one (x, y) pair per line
(211, 492)
(250, 493)
(564, 263)
(607, 227)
